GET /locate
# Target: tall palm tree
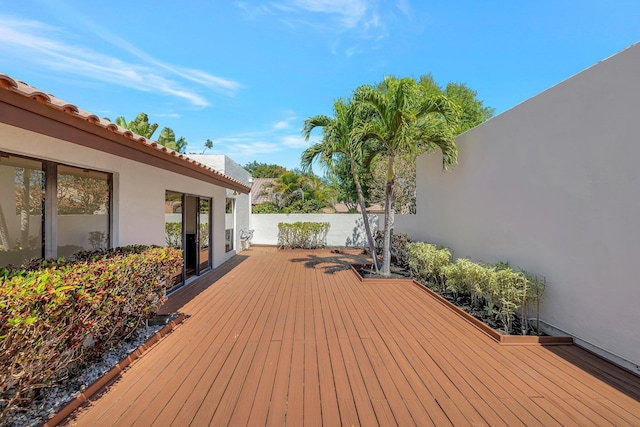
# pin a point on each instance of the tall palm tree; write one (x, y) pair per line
(337, 141)
(401, 121)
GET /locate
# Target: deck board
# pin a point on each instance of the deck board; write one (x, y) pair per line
(294, 338)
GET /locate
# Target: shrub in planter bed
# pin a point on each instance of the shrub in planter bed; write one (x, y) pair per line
(497, 288)
(60, 312)
(303, 235)
(427, 262)
(399, 247)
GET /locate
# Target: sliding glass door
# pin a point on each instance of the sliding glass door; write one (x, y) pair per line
(204, 228)
(188, 227)
(173, 234)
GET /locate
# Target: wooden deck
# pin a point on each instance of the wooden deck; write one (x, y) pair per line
(293, 338)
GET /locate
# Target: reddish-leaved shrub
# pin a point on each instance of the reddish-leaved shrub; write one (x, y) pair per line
(59, 312)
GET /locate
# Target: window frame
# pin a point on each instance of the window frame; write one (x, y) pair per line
(50, 202)
(232, 230)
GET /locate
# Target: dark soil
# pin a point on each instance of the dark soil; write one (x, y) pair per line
(464, 302)
(367, 272)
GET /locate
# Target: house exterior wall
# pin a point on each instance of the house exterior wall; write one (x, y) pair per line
(345, 230)
(138, 189)
(551, 186)
(242, 213)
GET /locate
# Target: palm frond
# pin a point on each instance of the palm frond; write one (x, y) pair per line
(313, 122)
(310, 155)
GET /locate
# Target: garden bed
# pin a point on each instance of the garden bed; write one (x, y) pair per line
(61, 316)
(365, 274)
(59, 401)
(166, 324)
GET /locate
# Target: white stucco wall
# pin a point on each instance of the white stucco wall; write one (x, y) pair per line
(139, 190)
(242, 215)
(552, 187)
(345, 230)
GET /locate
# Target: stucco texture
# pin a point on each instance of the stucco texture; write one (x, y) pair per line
(552, 187)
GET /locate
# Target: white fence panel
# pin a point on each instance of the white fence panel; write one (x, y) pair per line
(345, 230)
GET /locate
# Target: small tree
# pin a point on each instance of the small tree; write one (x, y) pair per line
(399, 121)
(208, 145)
(473, 112)
(264, 170)
(338, 141)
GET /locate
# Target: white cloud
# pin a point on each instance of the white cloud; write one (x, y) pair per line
(262, 143)
(284, 124)
(294, 141)
(358, 15)
(350, 12)
(196, 76)
(43, 45)
(351, 51)
(208, 80)
(405, 7)
(252, 11)
(251, 148)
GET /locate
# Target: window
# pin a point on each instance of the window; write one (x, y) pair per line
(173, 227)
(83, 210)
(21, 207)
(51, 210)
(173, 219)
(204, 215)
(229, 220)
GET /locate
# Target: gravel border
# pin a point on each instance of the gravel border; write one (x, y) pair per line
(62, 399)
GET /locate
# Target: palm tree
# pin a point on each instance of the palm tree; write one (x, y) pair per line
(400, 121)
(283, 187)
(337, 141)
(168, 139)
(319, 189)
(140, 125)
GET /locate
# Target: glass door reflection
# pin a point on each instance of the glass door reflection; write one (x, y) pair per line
(204, 229)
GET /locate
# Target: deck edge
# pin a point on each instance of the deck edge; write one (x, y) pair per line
(114, 372)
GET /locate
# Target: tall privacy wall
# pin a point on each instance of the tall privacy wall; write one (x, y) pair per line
(552, 186)
(346, 229)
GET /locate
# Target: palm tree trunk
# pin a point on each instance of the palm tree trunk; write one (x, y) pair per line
(388, 213)
(365, 217)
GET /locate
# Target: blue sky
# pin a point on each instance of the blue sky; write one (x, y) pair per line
(246, 74)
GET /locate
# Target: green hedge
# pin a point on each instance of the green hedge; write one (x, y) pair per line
(57, 313)
(427, 262)
(498, 289)
(304, 235)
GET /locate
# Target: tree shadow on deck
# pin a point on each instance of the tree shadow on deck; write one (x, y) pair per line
(190, 291)
(332, 261)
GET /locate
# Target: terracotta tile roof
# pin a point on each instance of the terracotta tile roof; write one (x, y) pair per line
(259, 193)
(9, 84)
